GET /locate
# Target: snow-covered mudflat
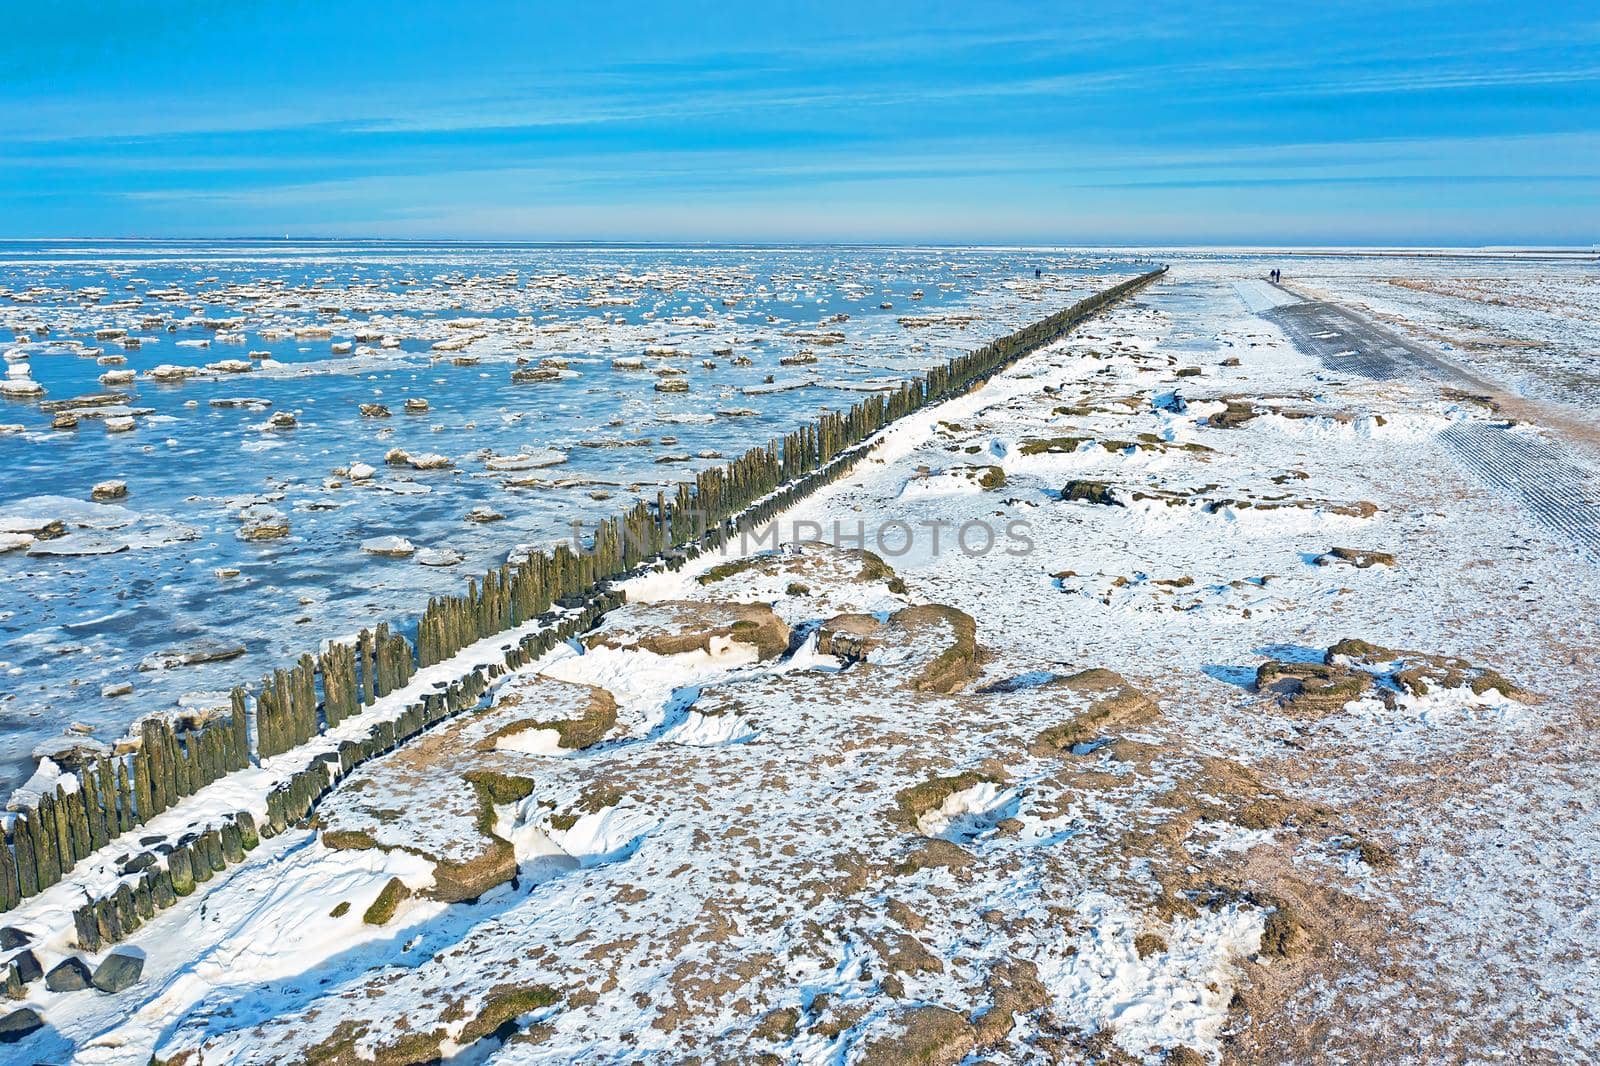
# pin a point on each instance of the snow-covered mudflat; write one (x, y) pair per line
(1169, 699)
(1531, 323)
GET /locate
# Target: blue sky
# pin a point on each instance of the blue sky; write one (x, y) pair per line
(1450, 123)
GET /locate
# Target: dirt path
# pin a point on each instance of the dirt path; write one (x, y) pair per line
(1556, 481)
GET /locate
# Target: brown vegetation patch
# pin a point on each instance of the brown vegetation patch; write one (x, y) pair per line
(678, 627)
(923, 1036)
(1114, 704)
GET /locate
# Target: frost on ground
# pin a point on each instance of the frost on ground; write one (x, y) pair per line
(881, 859)
(1264, 738)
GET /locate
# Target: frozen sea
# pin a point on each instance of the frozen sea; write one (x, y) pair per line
(259, 331)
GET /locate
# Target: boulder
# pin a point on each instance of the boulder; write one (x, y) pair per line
(387, 903)
(1356, 557)
(117, 971)
(26, 966)
(1236, 413)
(20, 1023)
(1088, 491)
(69, 975)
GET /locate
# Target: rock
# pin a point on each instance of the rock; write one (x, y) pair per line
(26, 966)
(119, 970)
(119, 424)
(389, 547)
(281, 420)
(374, 410)
(24, 389)
(117, 377)
(1237, 413)
(20, 1023)
(119, 688)
(342, 347)
(69, 975)
(388, 901)
(361, 472)
(431, 461)
(109, 490)
(11, 937)
(439, 557)
(484, 513)
(1355, 557)
(416, 406)
(64, 420)
(231, 366)
(1098, 492)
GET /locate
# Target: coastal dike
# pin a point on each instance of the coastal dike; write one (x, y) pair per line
(126, 829)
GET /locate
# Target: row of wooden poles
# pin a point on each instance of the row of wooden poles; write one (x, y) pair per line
(171, 757)
(158, 878)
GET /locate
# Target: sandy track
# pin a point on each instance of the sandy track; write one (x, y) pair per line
(1557, 487)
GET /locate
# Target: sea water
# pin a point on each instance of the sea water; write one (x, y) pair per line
(763, 338)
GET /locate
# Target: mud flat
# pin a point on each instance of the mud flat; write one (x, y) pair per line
(1254, 730)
